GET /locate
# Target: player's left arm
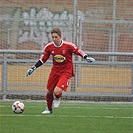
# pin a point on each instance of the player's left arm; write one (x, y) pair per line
(78, 51)
(89, 59)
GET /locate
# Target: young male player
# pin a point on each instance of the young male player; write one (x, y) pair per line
(62, 69)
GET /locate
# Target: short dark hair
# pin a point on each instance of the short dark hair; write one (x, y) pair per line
(56, 30)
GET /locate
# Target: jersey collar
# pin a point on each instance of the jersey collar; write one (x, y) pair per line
(59, 45)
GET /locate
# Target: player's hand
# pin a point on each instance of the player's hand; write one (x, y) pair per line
(30, 71)
(90, 59)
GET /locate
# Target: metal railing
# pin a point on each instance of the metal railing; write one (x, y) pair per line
(9, 57)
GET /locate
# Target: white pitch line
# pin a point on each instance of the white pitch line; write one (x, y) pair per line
(107, 108)
(66, 116)
(80, 107)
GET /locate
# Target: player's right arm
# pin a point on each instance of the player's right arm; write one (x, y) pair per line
(42, 60)
(31, 70)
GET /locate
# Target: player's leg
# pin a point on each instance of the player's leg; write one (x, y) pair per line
(52, 81)
(58, 94)
(49, 100)
(61, 86)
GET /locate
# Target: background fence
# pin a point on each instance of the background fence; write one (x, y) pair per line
(101, 28)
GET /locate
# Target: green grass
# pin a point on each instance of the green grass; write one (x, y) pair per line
(68, 118)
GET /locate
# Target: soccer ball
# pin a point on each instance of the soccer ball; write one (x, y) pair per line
(18, 107)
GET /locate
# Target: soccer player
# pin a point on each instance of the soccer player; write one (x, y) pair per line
(62, 69)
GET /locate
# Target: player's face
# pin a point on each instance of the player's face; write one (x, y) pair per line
(56, 39)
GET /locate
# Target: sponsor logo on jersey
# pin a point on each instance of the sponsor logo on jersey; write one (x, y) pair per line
(59, 58)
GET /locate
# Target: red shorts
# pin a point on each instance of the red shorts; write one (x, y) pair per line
(59, 81)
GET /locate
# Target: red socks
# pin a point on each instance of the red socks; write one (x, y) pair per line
(49, 99)
(58, 96)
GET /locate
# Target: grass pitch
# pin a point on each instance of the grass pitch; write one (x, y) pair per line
(68, 118)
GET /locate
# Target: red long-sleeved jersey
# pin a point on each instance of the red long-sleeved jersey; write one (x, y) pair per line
(62, 57)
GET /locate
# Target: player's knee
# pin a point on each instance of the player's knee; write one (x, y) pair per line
(50, 92)
(57, 91)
